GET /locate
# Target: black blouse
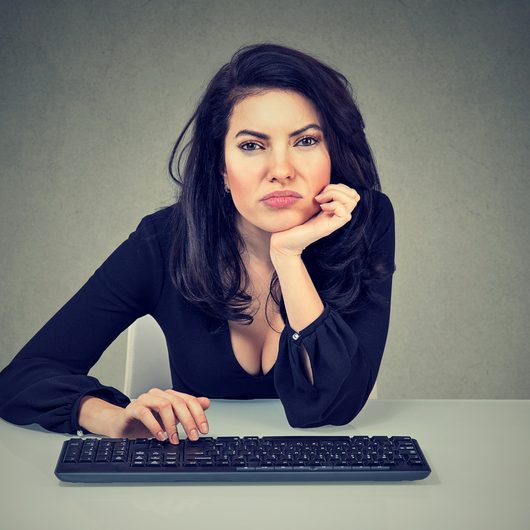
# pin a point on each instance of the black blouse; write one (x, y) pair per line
(46, 380)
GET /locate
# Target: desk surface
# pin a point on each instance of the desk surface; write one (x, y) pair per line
(477, 449)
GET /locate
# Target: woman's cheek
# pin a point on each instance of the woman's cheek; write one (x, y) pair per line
(311, 211)
(239, 192)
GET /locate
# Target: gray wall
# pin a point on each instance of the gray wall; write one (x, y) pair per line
(93, 95)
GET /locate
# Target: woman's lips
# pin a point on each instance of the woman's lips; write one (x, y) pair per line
(281, 202)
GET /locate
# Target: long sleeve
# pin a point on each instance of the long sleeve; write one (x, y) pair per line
(46, 380)
(345, 352)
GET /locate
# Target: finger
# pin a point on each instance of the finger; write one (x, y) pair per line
(333, 194)
(344, 191)
(327, 209)
(196, 410)
(165, 408)
(345, 188)
(141, 411)
(336, 208)
(166, 411)
(203, 401)
(351, 192)
(180, 404)
(157, 400)
(185, 417)
(188, 409)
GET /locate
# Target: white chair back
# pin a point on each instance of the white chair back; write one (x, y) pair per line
(147, 361)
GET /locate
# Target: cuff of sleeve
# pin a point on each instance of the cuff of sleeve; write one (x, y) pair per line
(311, 327)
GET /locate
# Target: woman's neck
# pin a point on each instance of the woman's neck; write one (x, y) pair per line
(256, 255)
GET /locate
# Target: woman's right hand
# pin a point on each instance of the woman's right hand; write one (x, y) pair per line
(157, 411)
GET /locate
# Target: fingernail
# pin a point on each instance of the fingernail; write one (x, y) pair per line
(161, 436)
(204, 427)
(175, 438)
(194, 434)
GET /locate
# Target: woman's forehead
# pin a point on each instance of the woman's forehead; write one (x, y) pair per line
(273, 110)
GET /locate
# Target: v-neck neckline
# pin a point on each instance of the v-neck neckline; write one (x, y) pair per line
(225, 328)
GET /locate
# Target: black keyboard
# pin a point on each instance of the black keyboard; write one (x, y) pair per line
(240, 459)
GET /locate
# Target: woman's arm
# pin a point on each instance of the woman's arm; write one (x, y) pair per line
(303, 304)
(48, 378)
(344, 351)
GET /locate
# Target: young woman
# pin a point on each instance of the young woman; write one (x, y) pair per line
(270, 275)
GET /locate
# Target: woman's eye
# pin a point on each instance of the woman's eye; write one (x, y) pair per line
(316, 140)
(248, 143)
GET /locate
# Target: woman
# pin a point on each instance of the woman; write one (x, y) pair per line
(258, 297)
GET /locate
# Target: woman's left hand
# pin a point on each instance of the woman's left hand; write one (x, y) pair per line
(334, 214)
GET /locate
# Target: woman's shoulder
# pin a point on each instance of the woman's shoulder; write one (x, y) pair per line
(160, 215)
(381, 200)
(383, 208)
(156, 226)
(380, 216)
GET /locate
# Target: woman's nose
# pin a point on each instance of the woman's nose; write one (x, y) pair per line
(281, 167)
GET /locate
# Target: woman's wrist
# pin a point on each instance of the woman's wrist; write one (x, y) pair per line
(97, 415)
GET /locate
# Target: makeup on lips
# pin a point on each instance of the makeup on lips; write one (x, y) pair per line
(281, 199)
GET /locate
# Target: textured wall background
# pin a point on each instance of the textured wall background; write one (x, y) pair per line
(93, 95)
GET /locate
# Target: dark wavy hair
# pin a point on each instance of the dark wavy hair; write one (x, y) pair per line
(205, 260)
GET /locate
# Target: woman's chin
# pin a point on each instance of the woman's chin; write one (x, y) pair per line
(281, 226)
(284, 222)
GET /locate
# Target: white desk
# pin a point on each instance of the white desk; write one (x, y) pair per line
(478, 451)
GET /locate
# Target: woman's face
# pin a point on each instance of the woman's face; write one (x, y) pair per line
(257, 165)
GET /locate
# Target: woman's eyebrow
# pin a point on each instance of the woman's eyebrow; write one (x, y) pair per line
(264, 136)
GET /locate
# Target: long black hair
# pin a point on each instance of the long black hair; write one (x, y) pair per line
(205, 258)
